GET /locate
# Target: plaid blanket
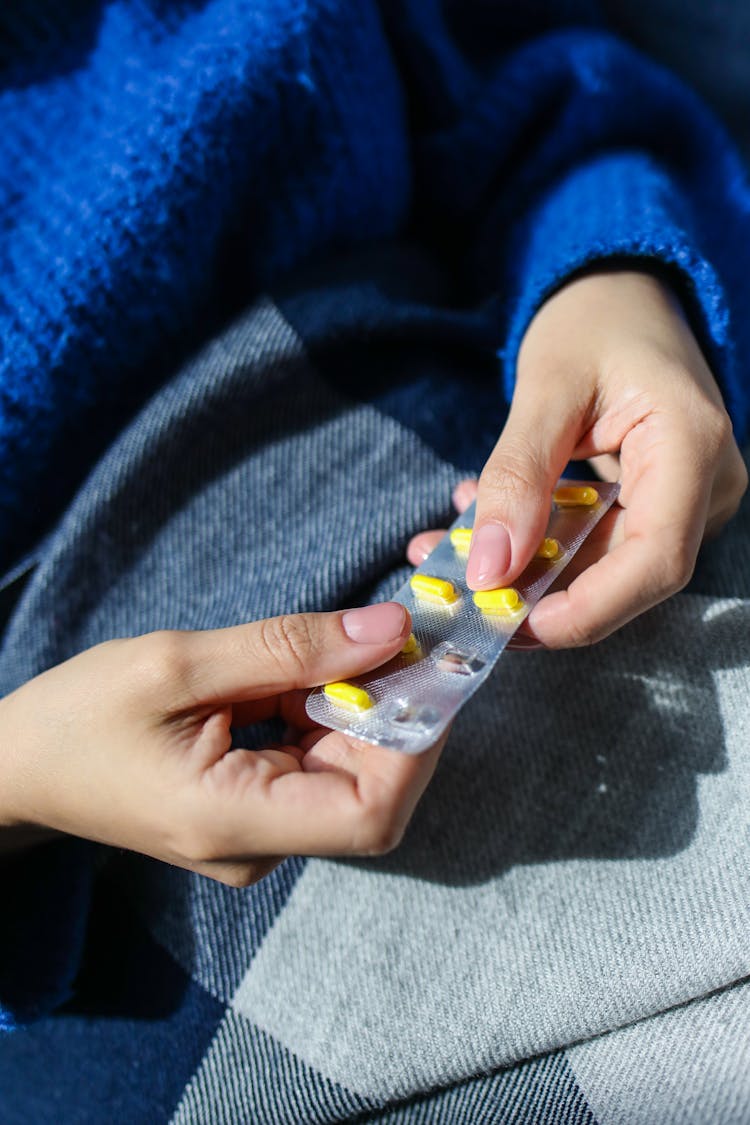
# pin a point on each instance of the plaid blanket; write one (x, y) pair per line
(563, 934)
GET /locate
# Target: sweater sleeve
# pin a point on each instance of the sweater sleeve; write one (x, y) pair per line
(544, 153)
(623, 207)
(652, 179)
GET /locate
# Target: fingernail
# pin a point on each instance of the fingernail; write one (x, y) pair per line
(463, 495)
(520, 643)
(375, 624)
(489, 556)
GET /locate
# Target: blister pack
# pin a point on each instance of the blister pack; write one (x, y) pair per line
(457, 634)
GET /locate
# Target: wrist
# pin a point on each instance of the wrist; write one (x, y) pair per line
(18, 829)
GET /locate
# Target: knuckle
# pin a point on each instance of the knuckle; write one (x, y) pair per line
(161, 661)
(197, 845)
(737, 480)
(288, 642)
(582, 635)
(678, 564)
(380, 831)
(237, 875)
(515, 472)
(683, 567)
(734, 487)
(717, 427)
(195, 836)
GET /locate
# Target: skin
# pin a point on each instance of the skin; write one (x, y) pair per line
(608, 371)
(129, 743)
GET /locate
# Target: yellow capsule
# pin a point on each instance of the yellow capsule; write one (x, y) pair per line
(498, 602)
(348, 696)
(460, 539)
(575, 496)
(430, 589)
(411, 646)
(548, 549)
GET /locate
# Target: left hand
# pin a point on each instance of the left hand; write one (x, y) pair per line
(608, 371)
(130, 744)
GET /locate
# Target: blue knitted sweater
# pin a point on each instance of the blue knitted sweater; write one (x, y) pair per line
(162, 162)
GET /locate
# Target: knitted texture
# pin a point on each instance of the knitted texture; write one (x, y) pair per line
(162, 162)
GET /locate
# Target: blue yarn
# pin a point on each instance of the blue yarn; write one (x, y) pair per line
(163, 162)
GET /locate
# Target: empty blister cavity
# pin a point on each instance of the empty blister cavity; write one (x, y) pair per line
(458, 633)
(456, 661)
(416, 717)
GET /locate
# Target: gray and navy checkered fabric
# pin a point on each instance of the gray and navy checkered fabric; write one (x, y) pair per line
(562, 936)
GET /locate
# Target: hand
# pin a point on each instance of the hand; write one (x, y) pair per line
(608, 371)
(129, 744)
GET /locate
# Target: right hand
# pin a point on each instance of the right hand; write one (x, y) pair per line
(609, 371)
(129, 744)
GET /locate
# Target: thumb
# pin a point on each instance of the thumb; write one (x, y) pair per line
(279, 654)
(516, 485)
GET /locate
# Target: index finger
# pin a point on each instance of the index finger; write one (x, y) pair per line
(345, 798)
(666, 501)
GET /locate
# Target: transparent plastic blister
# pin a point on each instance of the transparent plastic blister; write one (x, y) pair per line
(407, 703)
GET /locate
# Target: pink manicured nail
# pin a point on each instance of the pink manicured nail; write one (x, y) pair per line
(464, 493)
(489, 556)
(418, 552)
(375, 624)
